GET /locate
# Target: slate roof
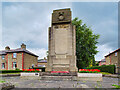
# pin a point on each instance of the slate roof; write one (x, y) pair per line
(41, 66)
(103, 60)
(4, 52)
(42, 61)
(112, 52)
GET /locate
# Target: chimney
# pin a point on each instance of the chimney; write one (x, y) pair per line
(7, 48)
(23, 46)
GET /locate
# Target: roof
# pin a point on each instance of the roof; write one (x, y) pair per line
(4, 52)
(113, 52)
(103, 60)
(41, 66)
(42, 61)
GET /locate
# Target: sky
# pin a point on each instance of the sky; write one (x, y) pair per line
(28, 22)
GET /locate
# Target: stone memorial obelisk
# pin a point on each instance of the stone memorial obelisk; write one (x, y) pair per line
(62, 42)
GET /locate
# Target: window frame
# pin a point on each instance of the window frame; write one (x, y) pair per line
(14, 64)
(15, 56)
(116, 54)
(2, 65)
(2, 57)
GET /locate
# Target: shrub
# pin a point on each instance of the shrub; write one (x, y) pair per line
(10, 71)
(16, 71)
(84, 72)
(104, 68)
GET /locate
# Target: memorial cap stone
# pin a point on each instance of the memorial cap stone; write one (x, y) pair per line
(61, 16)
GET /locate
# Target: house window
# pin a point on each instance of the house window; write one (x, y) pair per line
(115, 53)
(14, 65)
(3, 65)
(14, 55)
(3, 56)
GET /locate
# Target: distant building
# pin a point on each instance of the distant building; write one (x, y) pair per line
(102, 62)
(96, 62)
(112, 58)
(17, 58)
(42, 62)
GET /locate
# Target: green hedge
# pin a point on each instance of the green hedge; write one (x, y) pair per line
(15, 71)
(104, 68)
(10, 71)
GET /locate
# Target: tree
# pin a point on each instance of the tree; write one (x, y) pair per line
(85, 44)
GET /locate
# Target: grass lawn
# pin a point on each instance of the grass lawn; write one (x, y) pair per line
(105, 73)
(116, 86)
(2, 81)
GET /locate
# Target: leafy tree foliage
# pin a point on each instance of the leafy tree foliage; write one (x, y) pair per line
(85, 44)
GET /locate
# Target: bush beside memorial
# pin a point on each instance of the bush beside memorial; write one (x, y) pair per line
(104, 68)
(18, 71)
(10, 71)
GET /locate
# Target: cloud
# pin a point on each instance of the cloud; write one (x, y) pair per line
(103, 51)
(41, 52)
(99, 17)
(108, 33)
(0, 24)
(61, 1)
(28, 23)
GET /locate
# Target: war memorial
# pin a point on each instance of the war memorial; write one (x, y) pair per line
(62, 42)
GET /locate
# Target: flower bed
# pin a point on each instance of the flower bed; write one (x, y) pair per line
(59, 71)
(89, 71)
(30, 70)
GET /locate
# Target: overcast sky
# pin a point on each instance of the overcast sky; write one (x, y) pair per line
(28, 23)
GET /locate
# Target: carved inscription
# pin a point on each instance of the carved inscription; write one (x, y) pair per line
(60, 41)
(61, 26)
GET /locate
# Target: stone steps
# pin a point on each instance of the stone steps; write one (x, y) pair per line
(57, 78)
(59, 74)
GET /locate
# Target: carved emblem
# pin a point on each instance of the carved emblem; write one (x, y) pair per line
(61, 16)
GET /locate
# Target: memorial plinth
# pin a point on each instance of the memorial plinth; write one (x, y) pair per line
(62, 42)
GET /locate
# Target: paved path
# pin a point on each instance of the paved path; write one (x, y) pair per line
(37, 83)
